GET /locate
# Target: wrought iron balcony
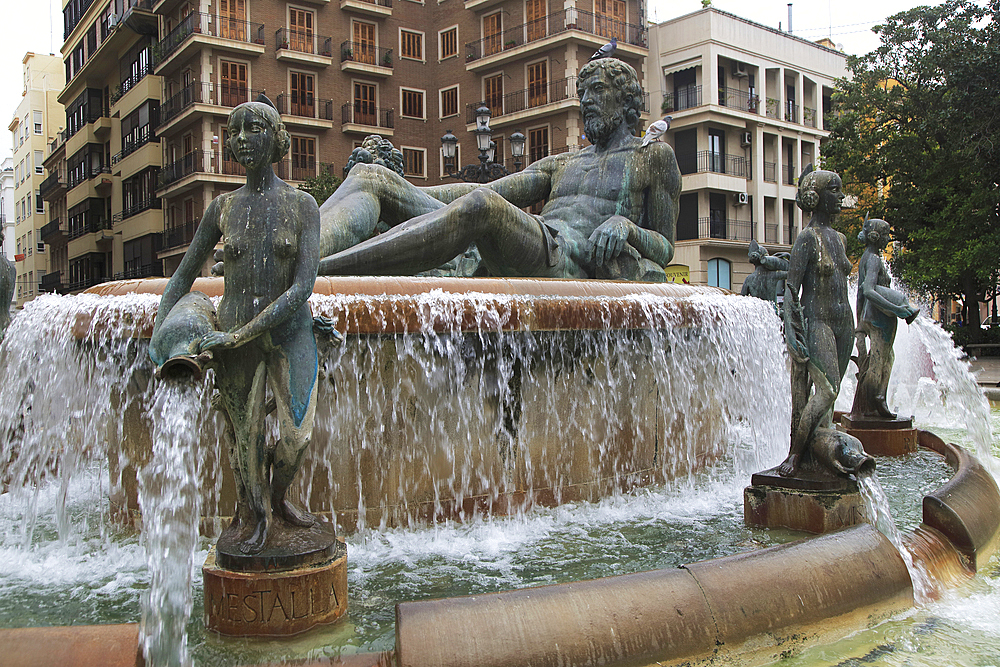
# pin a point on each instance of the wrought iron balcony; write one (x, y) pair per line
(365, 54)
(554, 24)
(52, 231)
(180, 235)
(222, 94)
(303, 41)
(305, 106)
(709, 161)
(211, 25)
(91, 226)
(368, 115)
(686, 97)
(739, 99)
(731, 230)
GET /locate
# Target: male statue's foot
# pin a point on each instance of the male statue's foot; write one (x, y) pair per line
(255, 543)
(293, 514)
(789, 466)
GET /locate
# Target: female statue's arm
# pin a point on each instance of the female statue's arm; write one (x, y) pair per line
(795, 325)
(201, 248)
(868, 287)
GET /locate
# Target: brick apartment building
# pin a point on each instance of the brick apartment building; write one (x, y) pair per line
(150, 84)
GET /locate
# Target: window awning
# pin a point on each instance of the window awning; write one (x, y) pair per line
(687, 64)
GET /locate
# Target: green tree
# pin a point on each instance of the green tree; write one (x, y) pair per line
(914, 139)
(321, 186)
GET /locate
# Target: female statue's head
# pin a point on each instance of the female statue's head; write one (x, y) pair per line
(874, 233)
(819, 191)
(256, 134)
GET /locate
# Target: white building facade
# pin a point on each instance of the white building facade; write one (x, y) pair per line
(748, 105)
(36, 121)
(7, 206)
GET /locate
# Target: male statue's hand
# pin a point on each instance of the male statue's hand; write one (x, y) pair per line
(609, 239)
(218, 339)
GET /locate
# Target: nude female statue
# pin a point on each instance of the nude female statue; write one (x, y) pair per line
(879, 307)
(819, 327)
(266, 339)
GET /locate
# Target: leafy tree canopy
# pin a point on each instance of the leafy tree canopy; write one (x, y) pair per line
(321, 186)
(916, 140)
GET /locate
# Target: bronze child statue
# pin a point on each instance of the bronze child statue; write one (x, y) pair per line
(265, 338)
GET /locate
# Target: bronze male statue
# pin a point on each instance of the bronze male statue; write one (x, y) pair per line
(610, 210)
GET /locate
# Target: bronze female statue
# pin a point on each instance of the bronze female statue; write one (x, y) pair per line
(879, 307)
(819, 327)
(265, 338)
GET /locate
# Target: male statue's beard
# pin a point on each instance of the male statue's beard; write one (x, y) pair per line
(599, 128)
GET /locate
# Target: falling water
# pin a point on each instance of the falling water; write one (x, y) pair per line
(170, 498)
(879, 515)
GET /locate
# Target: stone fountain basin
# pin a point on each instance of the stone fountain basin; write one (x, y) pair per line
(403, 467)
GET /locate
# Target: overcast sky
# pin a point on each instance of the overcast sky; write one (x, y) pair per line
(30, 25)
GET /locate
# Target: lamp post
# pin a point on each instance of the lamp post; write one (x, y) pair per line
(487, 170)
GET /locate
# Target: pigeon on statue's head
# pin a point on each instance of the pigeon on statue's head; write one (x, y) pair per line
(607, 50)
(655, 131)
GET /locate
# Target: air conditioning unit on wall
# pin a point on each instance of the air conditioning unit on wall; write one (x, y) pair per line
(746, 139)
(740, 70)
(742, 198)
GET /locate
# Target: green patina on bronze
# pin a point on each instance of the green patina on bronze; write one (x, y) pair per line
(264, 341)
(610, 209)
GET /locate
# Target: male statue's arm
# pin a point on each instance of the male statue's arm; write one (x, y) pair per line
(201, 248)
(521, 189)
(295, 296)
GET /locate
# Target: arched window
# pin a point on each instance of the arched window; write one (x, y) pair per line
(719, 273)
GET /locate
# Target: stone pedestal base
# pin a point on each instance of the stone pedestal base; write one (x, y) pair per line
(275, 604)
(813, 503)
(882, 437)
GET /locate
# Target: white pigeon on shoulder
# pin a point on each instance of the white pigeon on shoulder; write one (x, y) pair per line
(655, 131)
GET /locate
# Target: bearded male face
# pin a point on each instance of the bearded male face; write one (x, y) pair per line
(602, 107)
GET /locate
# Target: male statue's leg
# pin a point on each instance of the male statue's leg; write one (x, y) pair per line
(509, 240)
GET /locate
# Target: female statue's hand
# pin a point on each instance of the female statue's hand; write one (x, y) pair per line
(910, 313)
(219, 339)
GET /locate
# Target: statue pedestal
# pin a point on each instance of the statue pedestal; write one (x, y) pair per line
(814, 502)
(275, 603)
(882, 437)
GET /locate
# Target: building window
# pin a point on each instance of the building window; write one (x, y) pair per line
(719, 273)
(37, 117)
(233, 19)
(300, 30)
(413, 161)
(535, 15)
(717, 151)
(411, 45)
(29, 246)
(493, 93)
(538, 84)
(611, 18)
(38, 162)
(449, 42)
(303, 158)
(412, 103)
(39, 202)
(234, 83)
(303, 99)
(365, 110)
(139, 192)
(538, 144)
(364, 49)
(492, 34)
(449, 102)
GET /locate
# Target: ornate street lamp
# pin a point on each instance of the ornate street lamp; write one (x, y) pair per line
(487, 170)
(517, 149)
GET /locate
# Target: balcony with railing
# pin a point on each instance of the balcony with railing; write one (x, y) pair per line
(93, 225)
(555, 24)
(770, 172)
(135, 208)
(178, 236)
(303, 46)
(54, 186)
(741, 100)
(154, 270)
(85, 283)
(305, 108)
(223, 95)
(709, 161)
(528, 98)
(361, 117)
(366, 58)
(129, 83)
(773, 105)
(791, 112)
(51, 282)
(770, 232)
(244, 37)
(687, 97)
(199, 162)
(53, 231)
(808, 116)
(788, 175)
(376, 8)
(730, 230)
